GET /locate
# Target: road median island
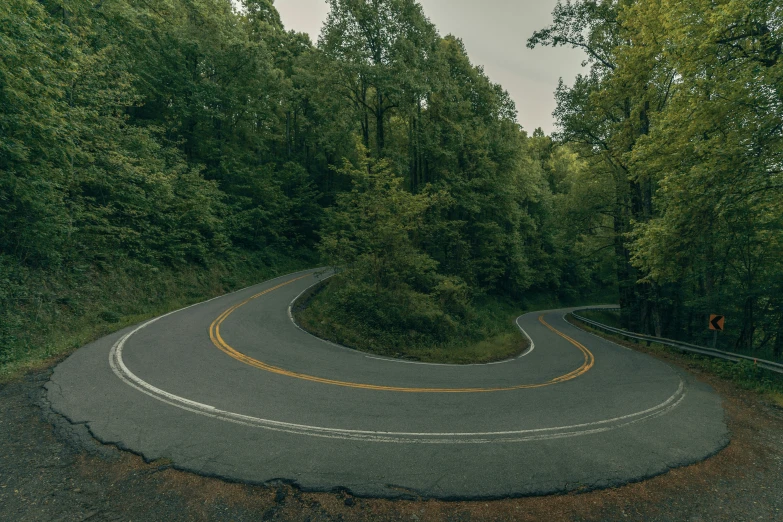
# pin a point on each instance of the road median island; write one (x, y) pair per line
(316, 311)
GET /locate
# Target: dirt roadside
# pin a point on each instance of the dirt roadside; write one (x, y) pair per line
(50, 470)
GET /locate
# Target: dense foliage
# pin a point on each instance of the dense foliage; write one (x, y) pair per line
(450, 200)
(680, 123)
(141, 140)
(144, 140)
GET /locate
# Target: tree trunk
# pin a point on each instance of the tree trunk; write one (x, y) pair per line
(777, 349)
(745, 341)
(365, 117)
(288, 133)
(412, 153)
(379, 139)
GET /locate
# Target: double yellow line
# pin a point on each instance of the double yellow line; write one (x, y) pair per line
(217, 340)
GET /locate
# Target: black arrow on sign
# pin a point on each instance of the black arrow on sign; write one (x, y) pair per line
(716, 322)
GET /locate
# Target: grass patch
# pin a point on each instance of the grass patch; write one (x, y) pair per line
(62, 312)
(745, 374)
(490, 335)
(496, 348)
(493, 321)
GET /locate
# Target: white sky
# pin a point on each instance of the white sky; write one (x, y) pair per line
(495, 33)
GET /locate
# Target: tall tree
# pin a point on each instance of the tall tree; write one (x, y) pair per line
(717, 147)
(378, 50)
(606, 112)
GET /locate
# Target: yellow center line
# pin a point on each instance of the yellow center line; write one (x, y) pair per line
(217, 340)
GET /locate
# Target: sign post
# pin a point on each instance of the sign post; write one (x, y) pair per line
(716, 325)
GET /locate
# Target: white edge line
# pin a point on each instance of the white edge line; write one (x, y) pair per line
(532, 344)
(121, 370)
(526, 352)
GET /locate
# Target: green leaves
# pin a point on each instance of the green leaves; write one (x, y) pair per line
(176, 133)
(36, 136)
(682, 110)
(373, 229)
(388, 282)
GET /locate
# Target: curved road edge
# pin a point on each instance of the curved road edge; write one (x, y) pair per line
(683, 429)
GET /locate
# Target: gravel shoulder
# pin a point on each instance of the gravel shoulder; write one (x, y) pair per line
(53, 470)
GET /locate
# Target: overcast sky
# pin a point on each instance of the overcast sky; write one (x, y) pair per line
(494, 33)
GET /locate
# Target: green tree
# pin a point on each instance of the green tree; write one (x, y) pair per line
(388, 283)
(717, 148)
(605, 112)
(378, 50)
(37, 142)
(679, 118)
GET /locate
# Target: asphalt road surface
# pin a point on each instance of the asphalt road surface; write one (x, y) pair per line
(231, 387)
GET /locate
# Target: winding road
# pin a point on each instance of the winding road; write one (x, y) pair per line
(231, 387)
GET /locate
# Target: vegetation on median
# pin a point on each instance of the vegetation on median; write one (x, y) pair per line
(488, 333)
(392, 296)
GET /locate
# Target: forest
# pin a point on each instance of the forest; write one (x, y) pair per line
(155, 153)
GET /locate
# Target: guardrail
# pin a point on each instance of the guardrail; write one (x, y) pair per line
(767, 365)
